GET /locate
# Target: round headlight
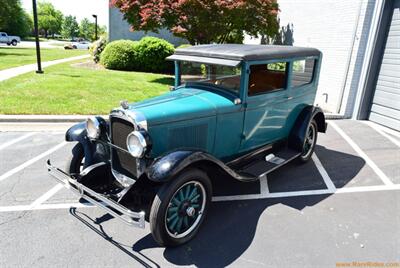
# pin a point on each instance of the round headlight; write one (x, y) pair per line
(93, 128)
(136, 144)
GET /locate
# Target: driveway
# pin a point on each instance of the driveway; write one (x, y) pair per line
(341, 207)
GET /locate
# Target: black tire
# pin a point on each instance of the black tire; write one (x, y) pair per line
(75, 160)
(14, 42)
(309, 145)
(162, 204)
(74, 47)
(8, 44)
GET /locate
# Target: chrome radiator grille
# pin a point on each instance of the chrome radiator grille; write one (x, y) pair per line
(121, 160)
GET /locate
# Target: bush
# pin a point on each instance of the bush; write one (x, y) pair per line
(96, 48)
(120, 55)
(151, 54)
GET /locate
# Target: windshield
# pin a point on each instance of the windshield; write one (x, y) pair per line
(225, 77)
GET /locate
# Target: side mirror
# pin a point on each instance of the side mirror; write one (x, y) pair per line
(237, 101)
(172, 88)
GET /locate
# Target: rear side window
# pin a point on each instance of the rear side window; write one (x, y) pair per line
(265, 78)
(303, 71)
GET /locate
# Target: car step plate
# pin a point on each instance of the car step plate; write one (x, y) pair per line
(274, 159)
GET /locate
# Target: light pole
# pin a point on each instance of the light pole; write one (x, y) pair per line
(35, 23)
(95, 26)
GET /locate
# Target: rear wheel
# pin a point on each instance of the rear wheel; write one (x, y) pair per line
(76, 160)
(180, 207)
(309, 142)
(14, 42)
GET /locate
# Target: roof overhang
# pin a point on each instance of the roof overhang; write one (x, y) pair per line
(205, 60)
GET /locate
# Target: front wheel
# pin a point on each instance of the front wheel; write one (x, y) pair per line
(14, 42)
(309, 142)
(180, 207)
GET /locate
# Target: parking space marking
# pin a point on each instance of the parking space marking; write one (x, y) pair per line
(264, 189)
(358, 189)
(382, 132)
(31, 161)
(7, 144)
(47, 195)
(323, 173)
(361, 153)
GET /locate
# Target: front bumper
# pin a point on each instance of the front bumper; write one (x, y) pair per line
(129, 217)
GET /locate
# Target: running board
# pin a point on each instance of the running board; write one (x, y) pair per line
(270, 162)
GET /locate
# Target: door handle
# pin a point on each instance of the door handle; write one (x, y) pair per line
(289, 98)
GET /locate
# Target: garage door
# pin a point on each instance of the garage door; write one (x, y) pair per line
(385, 108)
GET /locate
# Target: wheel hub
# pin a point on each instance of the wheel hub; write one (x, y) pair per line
(190, 211)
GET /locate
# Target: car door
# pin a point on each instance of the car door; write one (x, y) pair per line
(302, 88)
(3, 38)
(266, 105)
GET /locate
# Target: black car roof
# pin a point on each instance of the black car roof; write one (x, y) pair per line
(247, 52)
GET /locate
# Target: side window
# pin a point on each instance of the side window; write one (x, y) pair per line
(3, 34)
(303, 71)
(265, 78)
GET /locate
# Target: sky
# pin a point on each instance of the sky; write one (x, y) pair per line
(79, 8)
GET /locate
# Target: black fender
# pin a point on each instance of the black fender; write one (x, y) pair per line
(170, 165)
(78, 133)
(95, 151)
(298, 132)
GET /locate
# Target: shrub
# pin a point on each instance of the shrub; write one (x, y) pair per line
(96, 48)
(151, 54)
(120, 55)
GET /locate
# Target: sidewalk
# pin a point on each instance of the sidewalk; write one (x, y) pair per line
(12, 72)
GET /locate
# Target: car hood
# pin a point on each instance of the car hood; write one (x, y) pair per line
(182, 104)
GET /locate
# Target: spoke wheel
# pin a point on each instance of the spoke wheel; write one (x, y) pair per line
(180, 207)
(309, 142)
(185, 209)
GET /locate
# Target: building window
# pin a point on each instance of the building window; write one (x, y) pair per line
(266, 78)
(303, 71)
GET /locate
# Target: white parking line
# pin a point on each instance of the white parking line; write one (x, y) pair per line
(7, 144)
(382, 132)
(323, 173)
(226, 198)
(363, 155)
(47, 195)
(30, 162)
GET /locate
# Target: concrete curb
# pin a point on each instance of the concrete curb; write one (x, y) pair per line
(43, 118)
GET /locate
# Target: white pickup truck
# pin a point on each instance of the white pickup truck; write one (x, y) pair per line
(8, 39)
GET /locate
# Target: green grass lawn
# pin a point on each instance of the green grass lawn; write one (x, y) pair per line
(13, 57)
(69, 89)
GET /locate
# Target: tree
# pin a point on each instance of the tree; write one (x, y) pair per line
(13, 18)
(70, 27)
(87, 29)
(49, 19)
(203, 21)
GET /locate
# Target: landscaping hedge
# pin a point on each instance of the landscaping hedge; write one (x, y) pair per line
(147, 55)
(119, 55)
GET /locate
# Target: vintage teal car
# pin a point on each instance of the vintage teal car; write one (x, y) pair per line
(239, 111)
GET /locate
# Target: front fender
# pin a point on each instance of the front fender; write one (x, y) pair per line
(169, 166)
(298, 132)
(78, 133)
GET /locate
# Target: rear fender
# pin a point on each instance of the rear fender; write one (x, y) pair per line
(298, 132)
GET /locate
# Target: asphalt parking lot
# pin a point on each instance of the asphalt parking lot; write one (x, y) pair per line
(344, 206)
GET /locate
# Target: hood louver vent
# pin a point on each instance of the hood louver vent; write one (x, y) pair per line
(188, 137)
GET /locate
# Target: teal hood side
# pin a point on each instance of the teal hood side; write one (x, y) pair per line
(182, 104)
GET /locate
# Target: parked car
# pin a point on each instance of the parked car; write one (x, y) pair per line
(236, 111)
(78, 45)
(8, 39)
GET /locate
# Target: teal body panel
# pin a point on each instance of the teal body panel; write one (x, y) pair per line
(197, 118)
